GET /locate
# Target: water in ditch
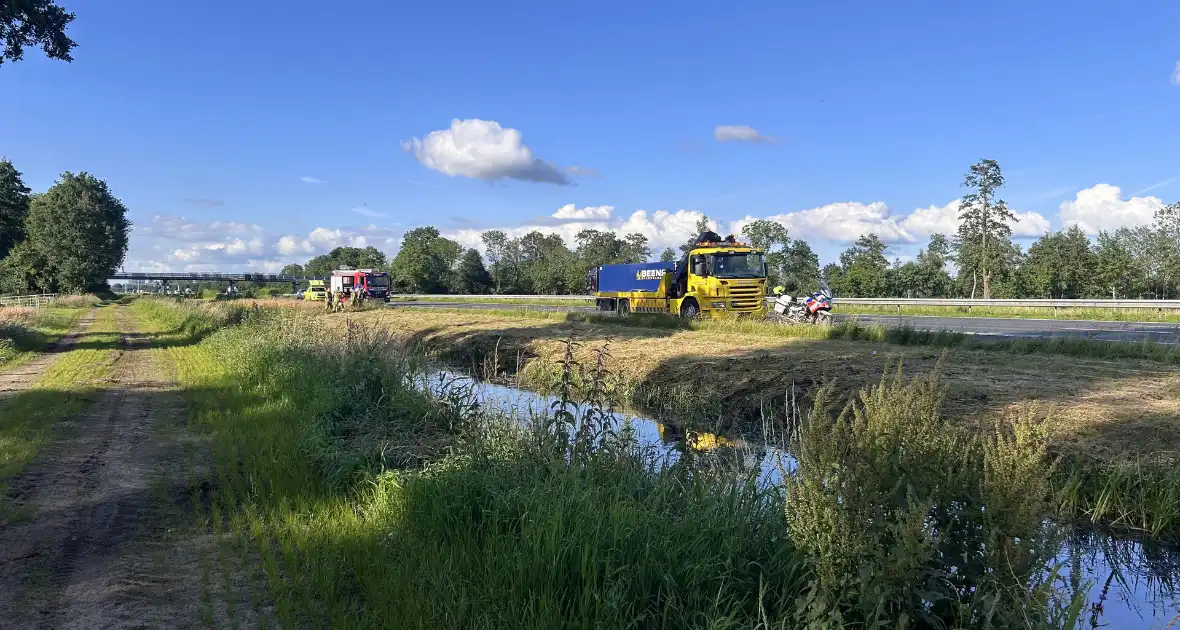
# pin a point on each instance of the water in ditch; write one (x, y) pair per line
(1142, 580)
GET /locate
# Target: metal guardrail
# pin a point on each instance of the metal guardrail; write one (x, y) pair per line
(897, 302)
(236, 277)
(35, 301)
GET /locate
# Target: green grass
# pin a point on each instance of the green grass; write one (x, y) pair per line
(1088, 314)
(540, 301)
(369, 502)
(856, 331)
(21, 338)
(67, 387)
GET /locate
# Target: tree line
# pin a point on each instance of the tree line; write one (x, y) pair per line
(70, 238)
(979, 260)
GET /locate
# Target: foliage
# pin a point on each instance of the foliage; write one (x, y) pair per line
(772, 238)
(701, 226)
(596, 248)
(983, 243)
(14, 207)
(943, 528)
(471, 278)
(426, 262)
(1061, 265)
(354, 257)
(668, 255)
(77, 237)
(863, 269)
(25, 23)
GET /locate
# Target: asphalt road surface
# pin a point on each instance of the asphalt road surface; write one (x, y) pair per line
(983, 326)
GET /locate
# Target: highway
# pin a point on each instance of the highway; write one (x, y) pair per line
(983, 326)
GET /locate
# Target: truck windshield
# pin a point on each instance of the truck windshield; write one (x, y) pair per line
(380, 281)
(737, 266)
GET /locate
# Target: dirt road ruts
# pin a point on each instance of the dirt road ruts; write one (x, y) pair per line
(24, 375)
(91, 547)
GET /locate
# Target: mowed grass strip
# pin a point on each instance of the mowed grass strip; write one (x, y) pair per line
(26, 331)
(27, 418)
(1013, 312)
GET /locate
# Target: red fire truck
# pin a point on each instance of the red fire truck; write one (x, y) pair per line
(365, 284)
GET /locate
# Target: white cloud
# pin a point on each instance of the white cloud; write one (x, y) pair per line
(1176, 74)
(569, 211)
(1101, 207)
(311, 180)
(740, 133)
(482, 149)
(844, 221)
(662, 227)
(933, 220)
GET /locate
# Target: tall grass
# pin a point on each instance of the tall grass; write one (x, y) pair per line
(373, 500)
(1089, 314)
(25, 330)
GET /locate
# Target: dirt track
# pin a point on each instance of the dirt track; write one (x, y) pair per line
(95, 541)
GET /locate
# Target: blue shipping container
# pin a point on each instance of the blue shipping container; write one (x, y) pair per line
(635, 277)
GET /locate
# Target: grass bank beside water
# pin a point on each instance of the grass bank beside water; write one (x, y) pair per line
(370, 502)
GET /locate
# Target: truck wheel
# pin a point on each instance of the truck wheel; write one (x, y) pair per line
(690, 310)
(624, 308)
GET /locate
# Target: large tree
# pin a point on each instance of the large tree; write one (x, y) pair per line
(772, 238)
(495, 244)
(1061, 265)
(984, 238)
(1117, 273)
(27, 23)
(864, 268)
(668, 255)
(801, 267)
(81, 228)
(14, 207)
(426, 262)
(351, 257)
(701, 226)
(471, 277)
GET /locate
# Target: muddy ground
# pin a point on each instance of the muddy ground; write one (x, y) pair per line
(102, 532)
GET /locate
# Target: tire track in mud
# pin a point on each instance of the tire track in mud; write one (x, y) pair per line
(98, 549)
(25, 375)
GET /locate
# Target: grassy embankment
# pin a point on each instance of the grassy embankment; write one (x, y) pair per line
(371, 503)
(1068, 313)
(1114, 421)
(27, 418)
(25, 331)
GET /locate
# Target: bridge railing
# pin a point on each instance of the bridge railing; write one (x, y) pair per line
(35, 301)
(895, 302)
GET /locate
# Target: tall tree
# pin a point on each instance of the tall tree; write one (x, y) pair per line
(426, 262)
(598, 247)
(1118, 274)
(929, 276)
(471, 277)
(1060, 265)
(26, 23)
(772, 238)
(864, 268)
(701, 226)
(495, 243)
(984, 238)
(668, 255)
(635, 249)
(14, 207)
(81, 228)
(292, 270)
(800, 267)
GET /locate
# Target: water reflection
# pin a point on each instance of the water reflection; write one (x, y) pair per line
(1140, 578)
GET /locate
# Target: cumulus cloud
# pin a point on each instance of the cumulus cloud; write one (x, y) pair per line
(1176, 74)
(846, 221)
(1101, 207)
(311, 180)
(738, 133)
(569, 211)
(482, 149)
(662, 228)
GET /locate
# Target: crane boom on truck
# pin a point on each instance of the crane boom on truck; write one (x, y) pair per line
(716, 277)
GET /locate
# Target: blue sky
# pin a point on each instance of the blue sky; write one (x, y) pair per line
(248, 134)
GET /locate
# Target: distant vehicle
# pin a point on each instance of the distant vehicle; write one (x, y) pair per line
(363, 283)
(717, 277)
(316, 292)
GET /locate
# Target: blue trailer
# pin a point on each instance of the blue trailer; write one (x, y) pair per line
(629, 277)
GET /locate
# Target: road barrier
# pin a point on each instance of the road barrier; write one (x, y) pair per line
(36, 301)
(896, 302)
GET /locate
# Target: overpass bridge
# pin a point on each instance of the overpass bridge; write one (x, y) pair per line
(232, 279)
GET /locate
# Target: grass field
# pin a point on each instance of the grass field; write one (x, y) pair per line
(539, 301)
(1088, 314)
(67, 386)
(369, 502)
(25, 331)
